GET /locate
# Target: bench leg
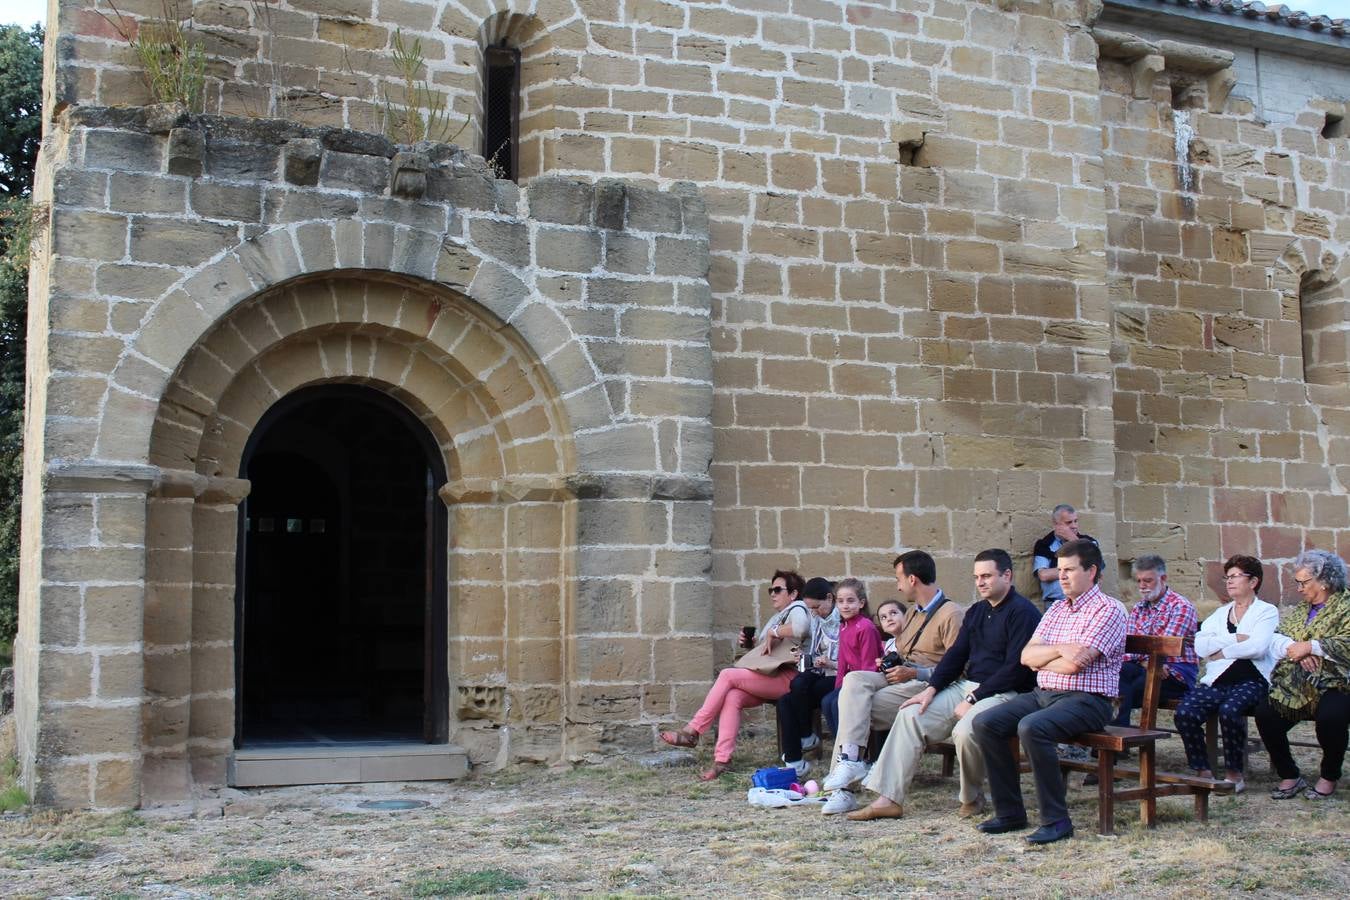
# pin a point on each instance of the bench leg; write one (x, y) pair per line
(1148, 805)
(1201, 805)
(948, 764)
(1106, 792)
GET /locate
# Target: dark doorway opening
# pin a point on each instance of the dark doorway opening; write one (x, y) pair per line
(340, 614)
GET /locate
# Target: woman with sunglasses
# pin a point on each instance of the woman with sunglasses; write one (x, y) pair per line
(1234, 642)
(740, 688)
(1312, 678)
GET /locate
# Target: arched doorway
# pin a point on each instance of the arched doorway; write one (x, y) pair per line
(341, 607)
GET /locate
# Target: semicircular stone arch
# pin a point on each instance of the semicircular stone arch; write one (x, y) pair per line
(192, 308)
(497, 418)
(472, 380)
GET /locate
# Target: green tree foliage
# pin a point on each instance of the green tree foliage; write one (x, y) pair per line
(20, 131)
(20, 106)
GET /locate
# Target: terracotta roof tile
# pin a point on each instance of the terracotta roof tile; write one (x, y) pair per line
(1277, 15)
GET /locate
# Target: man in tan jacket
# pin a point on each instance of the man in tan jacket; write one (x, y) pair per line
(871, 700)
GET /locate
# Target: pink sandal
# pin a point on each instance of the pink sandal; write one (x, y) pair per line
(680, 738)
(716, 772)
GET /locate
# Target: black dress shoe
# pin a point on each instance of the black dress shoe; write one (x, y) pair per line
(999, 825)
(1048, 834)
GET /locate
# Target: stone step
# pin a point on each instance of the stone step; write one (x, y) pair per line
(345, 764)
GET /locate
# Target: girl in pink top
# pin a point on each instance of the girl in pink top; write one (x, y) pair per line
(859, 639)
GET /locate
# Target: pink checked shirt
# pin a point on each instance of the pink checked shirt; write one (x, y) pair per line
(1171, 616)
(1093, 620)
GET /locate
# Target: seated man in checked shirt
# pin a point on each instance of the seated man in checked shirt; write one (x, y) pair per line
(1161, 612)
(1076, 652)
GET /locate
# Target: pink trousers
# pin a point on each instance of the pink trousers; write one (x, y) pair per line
(735, 690)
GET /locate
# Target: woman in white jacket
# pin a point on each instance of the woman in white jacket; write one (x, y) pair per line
(1234, 641)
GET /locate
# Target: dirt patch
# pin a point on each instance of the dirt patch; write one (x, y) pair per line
(621, 829)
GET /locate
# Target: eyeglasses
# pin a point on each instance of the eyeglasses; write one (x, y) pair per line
(776, 590)
(1304, 583)
(1238, 576)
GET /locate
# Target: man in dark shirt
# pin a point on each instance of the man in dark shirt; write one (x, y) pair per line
(982, 669)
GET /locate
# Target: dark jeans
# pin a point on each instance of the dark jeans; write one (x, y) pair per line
(1040, 719)
(795, 708)
(1332, 721)
(1132, 679)
(829, 708)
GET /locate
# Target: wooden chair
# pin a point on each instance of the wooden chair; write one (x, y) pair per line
(1115, 739)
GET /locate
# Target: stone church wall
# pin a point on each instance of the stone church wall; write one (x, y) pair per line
(907, 273)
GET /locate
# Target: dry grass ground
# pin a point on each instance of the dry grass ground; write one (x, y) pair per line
(621, 830)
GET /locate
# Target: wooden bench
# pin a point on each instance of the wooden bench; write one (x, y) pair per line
(1115, 739)
(1254, 744)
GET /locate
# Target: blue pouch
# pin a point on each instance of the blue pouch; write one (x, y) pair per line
(774, 779)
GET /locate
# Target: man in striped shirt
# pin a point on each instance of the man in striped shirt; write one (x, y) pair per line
(1076, 651)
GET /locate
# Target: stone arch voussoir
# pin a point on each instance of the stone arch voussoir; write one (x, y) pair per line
(470, 378)
(381, 253)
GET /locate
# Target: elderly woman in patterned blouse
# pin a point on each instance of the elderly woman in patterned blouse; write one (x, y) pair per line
(1312, 678)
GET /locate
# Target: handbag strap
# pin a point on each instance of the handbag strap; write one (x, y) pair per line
(927, 617)
(782, 616)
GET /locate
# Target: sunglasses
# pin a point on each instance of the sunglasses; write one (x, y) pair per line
(776, 590)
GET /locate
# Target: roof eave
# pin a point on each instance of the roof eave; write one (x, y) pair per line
(1229, 28)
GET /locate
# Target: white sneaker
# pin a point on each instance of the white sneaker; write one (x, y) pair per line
(846, 773)
(840, 801)
(771, 798)
(801, 766)
(810, 742)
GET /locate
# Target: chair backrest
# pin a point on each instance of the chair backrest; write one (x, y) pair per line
(1158, 649)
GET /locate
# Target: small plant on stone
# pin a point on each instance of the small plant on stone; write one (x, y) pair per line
(173, 63)
(423, 114)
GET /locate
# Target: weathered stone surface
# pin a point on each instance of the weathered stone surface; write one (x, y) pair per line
(301, 160)
(560, 200)
(186, 152)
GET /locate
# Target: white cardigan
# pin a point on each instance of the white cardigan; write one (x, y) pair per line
(1258, 624)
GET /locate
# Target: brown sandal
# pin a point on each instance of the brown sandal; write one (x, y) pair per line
(716, 772)
(680, 738)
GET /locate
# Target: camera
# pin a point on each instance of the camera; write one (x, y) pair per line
(891, 660)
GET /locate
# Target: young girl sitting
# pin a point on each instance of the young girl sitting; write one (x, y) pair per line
(891, 615)
(859, 642)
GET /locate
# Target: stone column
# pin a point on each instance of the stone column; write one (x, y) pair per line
(215, 544)
(81, 740)
(509, 559)
(641, 616)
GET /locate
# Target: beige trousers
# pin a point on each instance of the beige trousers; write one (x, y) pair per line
(899, 758)
(866, 702)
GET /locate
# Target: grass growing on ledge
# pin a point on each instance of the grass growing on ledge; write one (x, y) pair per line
(173, 63)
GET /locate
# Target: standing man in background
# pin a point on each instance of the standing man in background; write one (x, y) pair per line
(1064, 519)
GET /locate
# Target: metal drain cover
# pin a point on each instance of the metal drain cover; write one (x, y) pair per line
(387, 805)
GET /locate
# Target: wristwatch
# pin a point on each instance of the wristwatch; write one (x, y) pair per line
(970, 698)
